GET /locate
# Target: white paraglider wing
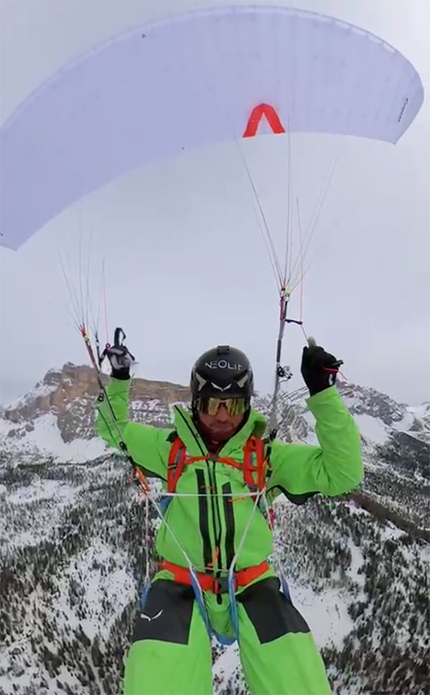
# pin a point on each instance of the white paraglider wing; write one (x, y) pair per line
(187, 81)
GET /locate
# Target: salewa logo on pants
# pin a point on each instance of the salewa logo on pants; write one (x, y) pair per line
(154, 617)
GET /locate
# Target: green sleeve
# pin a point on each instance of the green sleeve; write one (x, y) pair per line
(333, 468)
(147, 445)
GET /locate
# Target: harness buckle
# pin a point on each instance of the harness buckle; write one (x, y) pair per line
(220, 585)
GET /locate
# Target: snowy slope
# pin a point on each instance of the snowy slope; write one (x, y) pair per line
(377, 415)
(43, 440)
(72, 548)
(79, 560)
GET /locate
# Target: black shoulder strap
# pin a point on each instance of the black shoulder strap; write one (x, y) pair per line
(172, 436)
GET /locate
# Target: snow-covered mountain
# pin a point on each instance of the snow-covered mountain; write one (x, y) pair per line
(73, 553)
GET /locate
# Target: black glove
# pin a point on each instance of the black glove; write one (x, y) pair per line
(119, 356)
(120, 360)
(319, 368)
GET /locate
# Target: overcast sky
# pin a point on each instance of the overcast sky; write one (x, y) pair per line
(186, 267)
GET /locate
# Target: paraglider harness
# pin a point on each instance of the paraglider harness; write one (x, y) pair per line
(256, 465)
(256, 471)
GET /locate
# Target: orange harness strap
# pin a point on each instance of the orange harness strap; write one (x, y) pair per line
(254, 463)
(209, 583)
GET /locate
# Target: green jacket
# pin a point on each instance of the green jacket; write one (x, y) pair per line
(213, 520)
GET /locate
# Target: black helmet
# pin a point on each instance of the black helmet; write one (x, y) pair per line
(222, 372)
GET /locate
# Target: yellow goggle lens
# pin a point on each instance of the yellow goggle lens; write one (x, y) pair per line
(234, 406)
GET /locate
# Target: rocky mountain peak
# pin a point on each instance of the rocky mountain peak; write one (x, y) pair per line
(368, 401)
(70, 393)
(61, 409)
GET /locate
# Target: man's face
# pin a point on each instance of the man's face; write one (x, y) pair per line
(221, 426)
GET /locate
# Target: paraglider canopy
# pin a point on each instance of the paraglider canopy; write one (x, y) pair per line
(183, 82)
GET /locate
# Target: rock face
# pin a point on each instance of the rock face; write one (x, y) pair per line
(368, 401)
(70, 395)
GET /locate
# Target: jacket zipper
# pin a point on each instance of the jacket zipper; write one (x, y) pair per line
(204, 518)
(230, 526)
(216, 520)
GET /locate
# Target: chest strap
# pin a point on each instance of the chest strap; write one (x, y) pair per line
(254, 467)
(216, 584)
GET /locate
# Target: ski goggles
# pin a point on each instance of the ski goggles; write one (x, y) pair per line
(234, 406)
